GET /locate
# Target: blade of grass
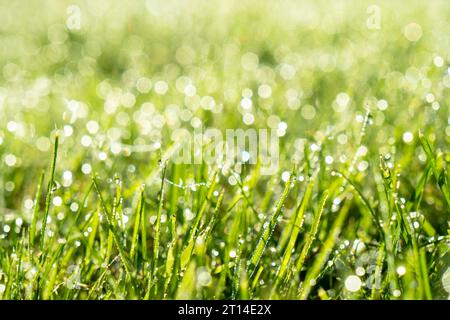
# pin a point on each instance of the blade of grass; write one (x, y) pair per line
(158, 229)
(322, 256)
(36, 209)
(50, 190)
(188, 249)
(115, 235)
(137, 221)
(298, 222)
(269, 227)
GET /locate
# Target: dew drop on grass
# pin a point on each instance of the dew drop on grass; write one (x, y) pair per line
(246, 103)
(382, 105)
(10, 186)
(10, 160)
(315, 147)
(285, 176)
(329, 160)
(188, 214)
(353, 283)
(360, 271)
(19, 222)
(200, 240)
(86, 141)
(362, 166)
(408, 137)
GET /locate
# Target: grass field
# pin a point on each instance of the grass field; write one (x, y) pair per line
(93, 99)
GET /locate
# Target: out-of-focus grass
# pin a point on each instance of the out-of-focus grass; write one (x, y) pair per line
(363, 214)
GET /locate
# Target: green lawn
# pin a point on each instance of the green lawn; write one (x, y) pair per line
(96, 95)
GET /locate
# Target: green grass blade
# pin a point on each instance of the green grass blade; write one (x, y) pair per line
(137, 221)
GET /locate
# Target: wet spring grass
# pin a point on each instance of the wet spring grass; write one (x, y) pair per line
(92, 207)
